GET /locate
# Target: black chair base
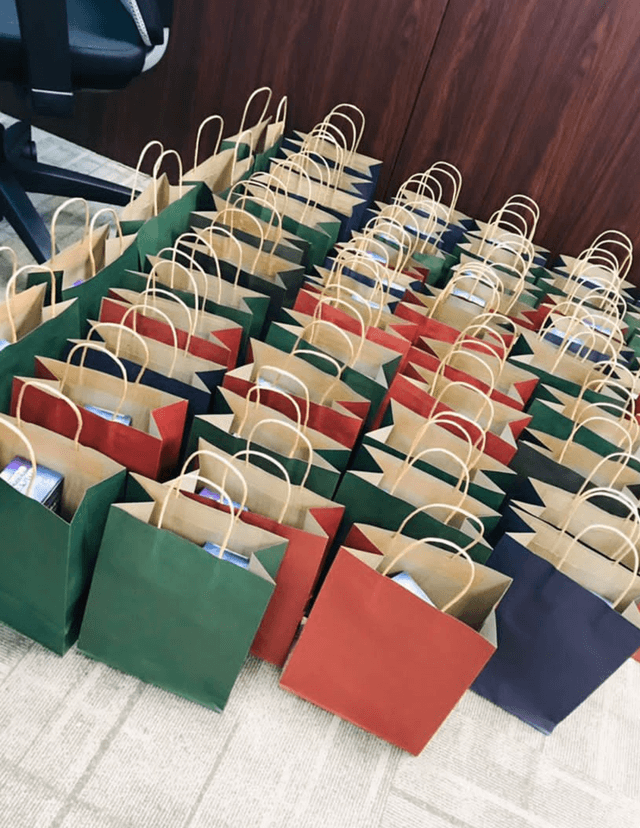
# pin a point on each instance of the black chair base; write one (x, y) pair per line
(22, 173)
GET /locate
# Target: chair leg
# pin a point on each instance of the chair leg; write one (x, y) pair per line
(16, 207)
(43, 178)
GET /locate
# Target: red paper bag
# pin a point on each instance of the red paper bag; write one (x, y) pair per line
(383, 658)
(150, 445)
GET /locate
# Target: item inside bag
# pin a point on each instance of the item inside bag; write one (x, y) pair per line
(227, 555)
(47, 488)
(405, 580)
(206, 492)
(124, 419)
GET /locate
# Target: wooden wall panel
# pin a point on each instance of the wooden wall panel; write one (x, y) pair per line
(320, 52)
(536, 98)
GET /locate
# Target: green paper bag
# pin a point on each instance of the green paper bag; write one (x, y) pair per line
(556, 367)
(302, 218)
(593, 425)
(273, 137)
(162, 230)
(408, 434)
(40, 331)
(223, 167)
(253, 138)
(366, 502)
(245, 427)
(165, 610)
(247, 308)
(249, 265)
(376, 366)
(46, 559)
(285, 245)
(418, 485)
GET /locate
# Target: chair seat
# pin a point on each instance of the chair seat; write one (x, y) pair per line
(106, 49)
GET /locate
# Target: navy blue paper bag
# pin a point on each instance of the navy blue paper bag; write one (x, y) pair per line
(558, 642)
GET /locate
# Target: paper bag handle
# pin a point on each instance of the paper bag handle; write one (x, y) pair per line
(206, 121)
(334, 362)
(32, 456)
(141, 157)
(455, 175)
(222, 231)
(616, 455)
(11, 286)
(156, 169)
(235, 211)
(453, 511)
(621, 240)
(352, 108)
(383, 225)
(625, 543)
(463, 481)
(92, 227)
(482, 345)
(487, 402)
(452, 418)
(299, 423)
(291, 165)
(281, 372)
(629, 423)
(353, 255)
(211, 253)
(152, 277)
(598, 383)
(484, 276)
(95, 347)
(456, 351)
(49, 390)
(174, 486)
(486, 320)
(121, 328)
(250, 99)
(281, 111)
(278, 465)
(590, 335)
(369, 247)
(54, 221)
(316, 323)
(452, 546)
(320, 166)
(213, 455)
(250, 187)
(299, 436)
(404, 216)
(14, 258)
(583, 497)
(326, 300)
(275, 221)
(583, 424)
(340, 289)
(134, 330)
(191, 317)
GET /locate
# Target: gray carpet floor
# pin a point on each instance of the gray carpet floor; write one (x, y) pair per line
(84, 746)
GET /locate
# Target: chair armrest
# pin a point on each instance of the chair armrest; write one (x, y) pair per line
(45, 39)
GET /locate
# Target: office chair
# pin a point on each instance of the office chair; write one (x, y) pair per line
(50, 49)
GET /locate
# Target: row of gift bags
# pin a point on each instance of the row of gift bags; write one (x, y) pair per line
(362, 340)
(152, 374)
(570, 616)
